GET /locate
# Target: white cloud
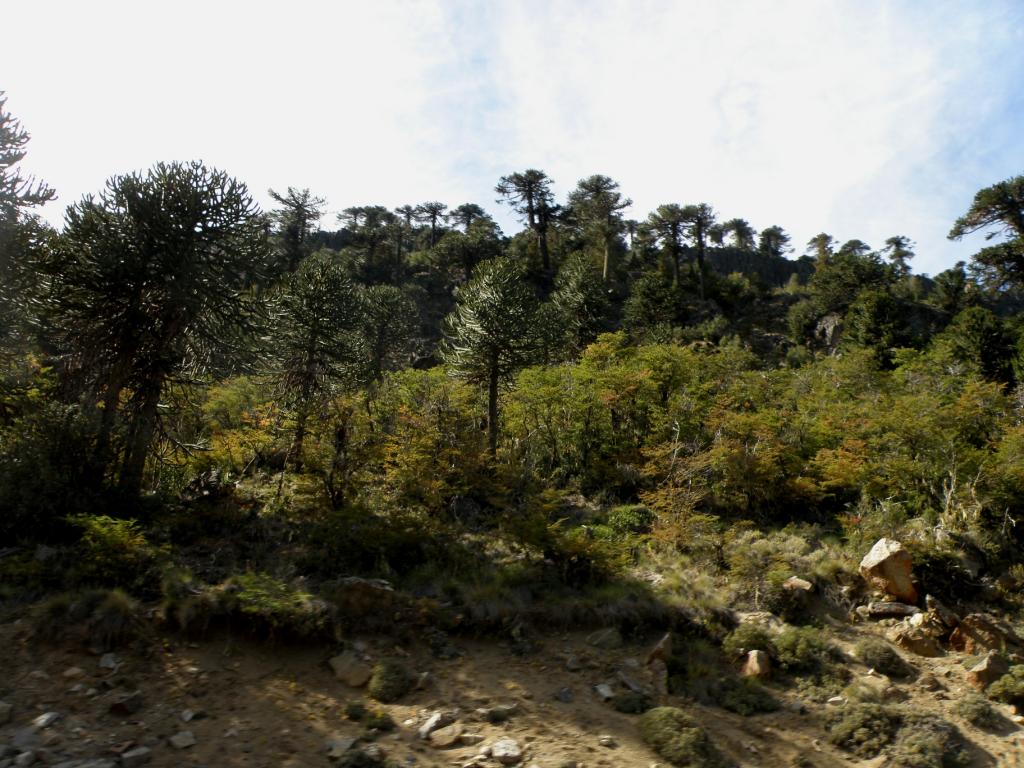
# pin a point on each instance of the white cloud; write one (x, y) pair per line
(864, 119)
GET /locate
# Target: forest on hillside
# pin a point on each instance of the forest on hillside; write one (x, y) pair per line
(195, 391)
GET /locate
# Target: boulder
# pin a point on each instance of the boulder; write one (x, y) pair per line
(506, 751)
(350, 669)
(182, 740)
(136, 757)
(914, 639)
(979, 632)
(887, 567)
(757, 665)
(445, 737)
(987, 671)
(435, 722)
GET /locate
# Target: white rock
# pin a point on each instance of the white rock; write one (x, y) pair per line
(506, 751)
(46, 720)
(182, 740)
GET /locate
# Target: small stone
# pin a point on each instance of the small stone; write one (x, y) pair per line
(337, 746)
(136, 757)
(573, 664)
(182, 740)
(564, 694)
(46, 720)
(604, 691)
(608, 639)
(836, 701)
(446, 736)
(506, 751)
(73, 672)
(350, 669)
(437, 720)
(109, 661)
(890, 609)
(127, 705)
(469, 739)
(607, 741)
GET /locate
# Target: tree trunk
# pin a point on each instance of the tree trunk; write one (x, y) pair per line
(492, 411)
(295, 452)
(607, 258)
(545, 257)
(140, 437)
(700, 269)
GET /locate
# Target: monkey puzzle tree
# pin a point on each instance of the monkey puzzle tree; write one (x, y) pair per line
(529, 194)
(597, 205)
(668, 226)
(699, 219)
(899, 250)
(18, 236)
(294, 222)
(742, 233)
(151, 282)
(491, 334)
(431, 213)
(1000, 209)
(314, 344)
(773, 241)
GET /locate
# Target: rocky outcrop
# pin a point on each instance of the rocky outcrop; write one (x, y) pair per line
(758, 665)
(917, 640)
(979, 632)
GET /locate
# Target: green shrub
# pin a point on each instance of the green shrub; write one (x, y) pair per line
(1010, 687)
(882, 657)
(748, 637)
(743, 696)
(631, 703)
(630, 519)
(927, 741)
(271, 606)
(114, 552)
(977, 711)
(863, 729)
(802, 649)
(378, 720)
(355, 710)
(107, 618)
(678, 738)
(390, 682)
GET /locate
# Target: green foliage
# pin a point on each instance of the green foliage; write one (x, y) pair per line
(630, 519)
(804, 650)
(748, 637)
(390, 681)
(864, 729)
(1010, 687)
(115, 552)
(678, 738)
(976, 710)
(45, 476)
(743, 696)
(271, 606)
(107, 618)
(927, 741)
(882, 657)
(630, 703)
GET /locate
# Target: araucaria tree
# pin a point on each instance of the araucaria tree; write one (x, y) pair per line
(668, 225)
(597, 204)
(700, 219)
(1000, 210)
(529, 194)
(294, 222)
(314, 346)
(151, 282)
(491, 334)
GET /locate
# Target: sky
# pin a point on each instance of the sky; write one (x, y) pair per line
(859, 118)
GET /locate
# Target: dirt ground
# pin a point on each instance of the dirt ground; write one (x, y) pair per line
(262, 705)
